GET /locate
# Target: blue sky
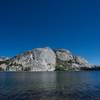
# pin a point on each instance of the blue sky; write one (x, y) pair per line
(70, 24)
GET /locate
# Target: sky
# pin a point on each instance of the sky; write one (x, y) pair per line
(69, 24)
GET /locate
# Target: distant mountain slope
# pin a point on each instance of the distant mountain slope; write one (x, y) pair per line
(2, 58)
(44, 59)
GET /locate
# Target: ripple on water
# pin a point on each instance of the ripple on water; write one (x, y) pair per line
(50, 86)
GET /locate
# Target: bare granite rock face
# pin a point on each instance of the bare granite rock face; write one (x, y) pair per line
(39, 59)
(63, 54)
(81, 62)
(66, 61)
(44, 59)
(3, 63)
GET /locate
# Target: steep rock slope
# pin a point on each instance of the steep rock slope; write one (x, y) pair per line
(66, 61)
(39, 59)
(44, 59)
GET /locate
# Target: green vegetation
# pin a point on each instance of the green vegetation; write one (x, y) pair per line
(27, 69)
(1, 69)
(4, 62)
(90, 69)
(64, 65)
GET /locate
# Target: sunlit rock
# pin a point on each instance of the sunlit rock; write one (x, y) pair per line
(44, 59)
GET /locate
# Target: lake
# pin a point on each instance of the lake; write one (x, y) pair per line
(50, 85)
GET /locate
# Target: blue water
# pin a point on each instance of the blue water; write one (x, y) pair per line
(50, 85)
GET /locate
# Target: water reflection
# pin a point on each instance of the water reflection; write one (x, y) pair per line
(50, 86)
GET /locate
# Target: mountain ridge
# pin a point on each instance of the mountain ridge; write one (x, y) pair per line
(44, 59)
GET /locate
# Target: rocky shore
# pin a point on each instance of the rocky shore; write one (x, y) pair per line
(45, 59)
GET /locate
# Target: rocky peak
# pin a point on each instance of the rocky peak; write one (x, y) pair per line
(44, 59)
(63, 54)
(38, 59)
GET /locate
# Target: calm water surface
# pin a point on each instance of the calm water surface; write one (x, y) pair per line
(50, 85)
